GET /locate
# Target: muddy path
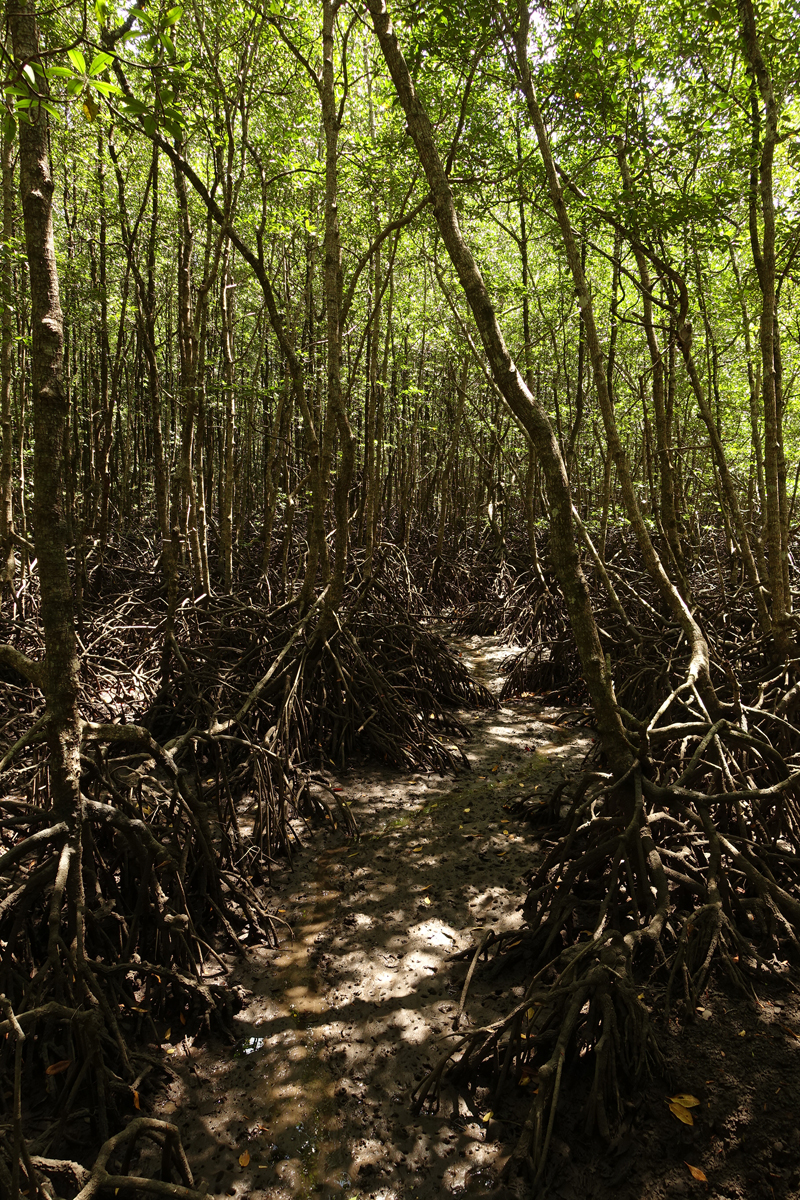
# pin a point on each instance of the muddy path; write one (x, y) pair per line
(344, 1017)
(341, 1020)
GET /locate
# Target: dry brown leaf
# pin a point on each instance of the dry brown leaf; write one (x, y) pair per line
(57, 1068)
(135, 1099)
(681, 1113)
(183, 1019)
(697, 1173)
(168, 1034)
(244, 1158)
(686, 1100)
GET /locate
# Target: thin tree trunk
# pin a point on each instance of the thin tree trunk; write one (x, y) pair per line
(522, 404)
(228, 444)
(763, 248)
(8, 557)
(699, 669)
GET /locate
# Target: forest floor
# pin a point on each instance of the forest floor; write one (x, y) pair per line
(341, 1020)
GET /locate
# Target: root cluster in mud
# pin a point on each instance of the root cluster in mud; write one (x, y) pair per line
(206, 737)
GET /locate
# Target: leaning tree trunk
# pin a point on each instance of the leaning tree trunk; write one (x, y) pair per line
(699, 666)
(526, 409)
(60, 674)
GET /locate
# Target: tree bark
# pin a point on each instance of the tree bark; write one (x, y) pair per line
(8, 558)
(60, 675)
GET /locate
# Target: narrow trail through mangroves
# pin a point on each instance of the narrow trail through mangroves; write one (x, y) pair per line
(341, 1021)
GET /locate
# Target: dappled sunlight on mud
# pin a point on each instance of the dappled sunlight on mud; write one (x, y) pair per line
(343, 1020)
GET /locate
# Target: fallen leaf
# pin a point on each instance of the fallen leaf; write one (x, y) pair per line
(58, 1067)
(685, 1100)
(682, 1113)
(168, 1034)
(697, 1173)
(416, 849)
(524, 1081)
(467, 810)
(486, 1118)
(183, 1019)
(244, 1158)
(135, 1098)
(742, 1033)
(426, 900)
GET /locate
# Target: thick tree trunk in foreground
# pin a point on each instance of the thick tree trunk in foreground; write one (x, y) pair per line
(60, 677)
(524, 406)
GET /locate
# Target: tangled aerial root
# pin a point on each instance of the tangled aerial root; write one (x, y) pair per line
(688, 863)
(118, 921)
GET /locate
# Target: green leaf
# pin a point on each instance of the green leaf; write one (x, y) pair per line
(107, 89)
(9, 128)
(144, 18)
(134, 108)
(172, 17)
(77, 60)
(167, 43)
(60, 73)
(100, 62)
(28, 72)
